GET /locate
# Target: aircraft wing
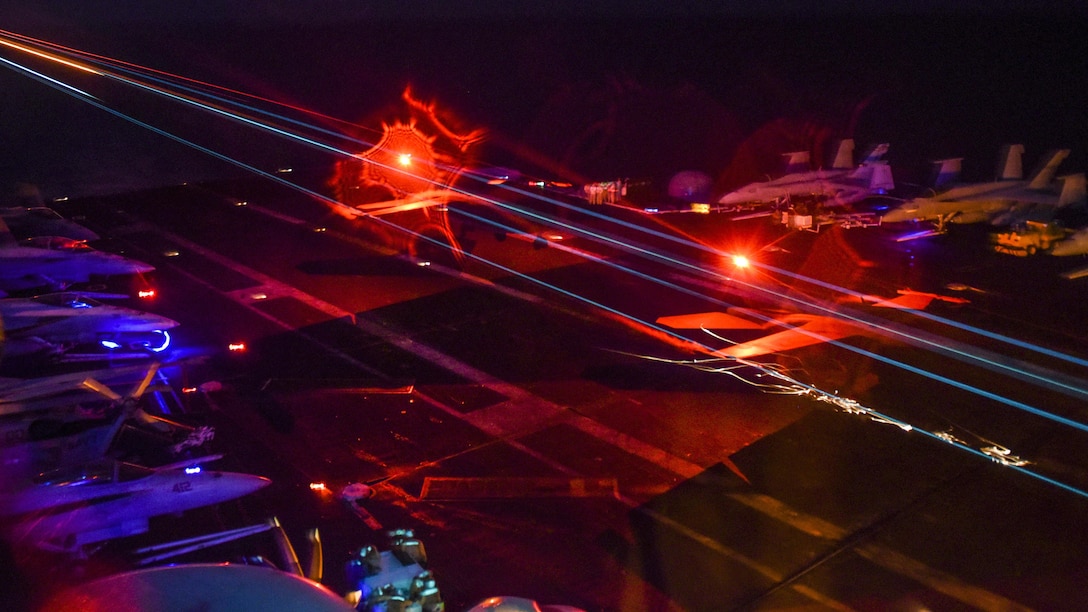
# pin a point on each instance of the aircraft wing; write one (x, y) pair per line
(378, 209)
(809, 330)
(708, 320)
(816, 330)
(909, 299)
(425, 199)
(1075, 274)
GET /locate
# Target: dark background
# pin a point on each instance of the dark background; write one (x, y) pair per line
(587, 90)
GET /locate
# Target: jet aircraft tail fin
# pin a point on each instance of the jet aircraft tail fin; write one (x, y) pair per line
(1044, 173)
(6, 237)
(1010, 165)
(946, 172)
(1073, 189)
(844, 158)
(876, 154)
(881, 180)
(797, 161)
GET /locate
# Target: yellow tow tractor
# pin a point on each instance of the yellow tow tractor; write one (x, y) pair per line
(1029, 237)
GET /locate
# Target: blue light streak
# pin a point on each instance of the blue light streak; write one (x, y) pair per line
(627, 246)
(588, 233)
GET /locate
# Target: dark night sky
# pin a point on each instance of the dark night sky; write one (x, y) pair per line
(605, 88)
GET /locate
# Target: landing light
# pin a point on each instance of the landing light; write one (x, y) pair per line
(318, 486)
(741, 261)
(145, 294)
(404, 159)
(236, 346)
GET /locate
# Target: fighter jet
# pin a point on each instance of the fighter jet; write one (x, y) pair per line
(32, 221)
(1001, 201)
(66, 419)
(70, 509)
(60, 325)
(841, 184)
(1074, 244)
(56, 263)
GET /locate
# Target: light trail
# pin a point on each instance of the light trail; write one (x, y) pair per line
(37, 76)
(645, 252)
(792, 298)
(994, 452)
(869, 323)
(48, 56)
(864, 352)
(132, 68)
(595, 236)
(592, 235)
(627, 246)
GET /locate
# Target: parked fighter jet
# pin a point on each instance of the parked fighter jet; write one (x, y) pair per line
(840, 185)
(32, 221)
(58, 325)
(1075, 244)
(267, 586)
(54, 263)
(70, 509)
(68, 419)
(1000, 201)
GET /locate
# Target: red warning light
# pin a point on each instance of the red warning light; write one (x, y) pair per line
(236, 347)
(145, 294)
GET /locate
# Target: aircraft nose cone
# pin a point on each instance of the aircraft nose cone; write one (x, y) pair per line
(1063, 249)
(159, 322)
(134, 323)
(143, 268)
(232, 485)
(893, 216)
(124, 265)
